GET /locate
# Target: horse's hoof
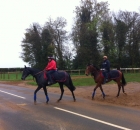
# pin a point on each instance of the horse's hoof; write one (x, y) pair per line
(58, 100)
(74, 100)
(92, 98)
(34, 102)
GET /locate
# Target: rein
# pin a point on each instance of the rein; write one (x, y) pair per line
(95, 72)
(37, 74)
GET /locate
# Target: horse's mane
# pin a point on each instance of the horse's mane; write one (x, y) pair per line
(34, 69)
(97, 68)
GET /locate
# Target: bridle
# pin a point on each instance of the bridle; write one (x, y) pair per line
(38, 73)
(92, 70)
(34, 74)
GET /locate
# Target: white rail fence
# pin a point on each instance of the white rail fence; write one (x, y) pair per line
(78, 71)
(126, 70)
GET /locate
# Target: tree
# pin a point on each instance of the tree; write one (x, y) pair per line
(127, 26)
(35, 46)
(85, 32)
(60, 38)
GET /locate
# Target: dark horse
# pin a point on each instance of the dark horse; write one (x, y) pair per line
(61, 77)
(115, 75)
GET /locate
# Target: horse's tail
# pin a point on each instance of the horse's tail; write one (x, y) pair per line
(118, 68)
(123, 79)
(72, 87)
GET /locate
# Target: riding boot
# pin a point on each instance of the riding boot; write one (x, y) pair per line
(106, 77)
(104, 81)
(50, 81)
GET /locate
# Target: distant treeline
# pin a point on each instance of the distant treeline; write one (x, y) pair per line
(11, 69)
(96, 31)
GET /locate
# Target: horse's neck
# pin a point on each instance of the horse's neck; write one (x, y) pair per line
(95, 73)
(34, 72)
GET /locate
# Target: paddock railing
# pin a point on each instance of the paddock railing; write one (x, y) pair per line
(125, 70)
(15, 73)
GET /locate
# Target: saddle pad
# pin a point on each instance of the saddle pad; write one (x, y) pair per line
(113, 74)
(59, 76)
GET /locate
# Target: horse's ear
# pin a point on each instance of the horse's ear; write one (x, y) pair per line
(88, 64)
(25, 66)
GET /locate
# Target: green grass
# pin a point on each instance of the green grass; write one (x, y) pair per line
(82, 80)
(13, 77)
(132, 77)
(78, 80)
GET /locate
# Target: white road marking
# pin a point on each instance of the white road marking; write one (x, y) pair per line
(110, 124)
(12, 94)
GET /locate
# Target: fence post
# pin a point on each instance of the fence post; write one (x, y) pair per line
(126, 70)
(8, 76)
(16, 75)
(3, 75)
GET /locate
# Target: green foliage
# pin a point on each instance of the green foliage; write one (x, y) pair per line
(85, 33)
(35, 46)
(100, 32)
(96, 32)
(41, 42)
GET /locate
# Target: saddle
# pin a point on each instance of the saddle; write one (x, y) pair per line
(113, 74)
(57, 76)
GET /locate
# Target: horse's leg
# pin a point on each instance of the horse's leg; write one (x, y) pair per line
(123, 88)
(119, 88)
(38, 88)
(62, 91)
(73, 96)
(68, 85)
(46, 94)
(93, 94)
(102, 91)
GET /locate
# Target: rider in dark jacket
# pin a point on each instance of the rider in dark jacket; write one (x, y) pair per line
(106, 68)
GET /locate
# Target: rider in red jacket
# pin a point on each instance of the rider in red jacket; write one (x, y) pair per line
(50, 68)
(51, 64)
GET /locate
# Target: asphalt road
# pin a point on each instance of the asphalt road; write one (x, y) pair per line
(18, 112)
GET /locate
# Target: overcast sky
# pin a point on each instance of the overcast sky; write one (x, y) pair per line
(17, 15)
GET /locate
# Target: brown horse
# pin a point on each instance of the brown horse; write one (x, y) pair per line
(115, 75)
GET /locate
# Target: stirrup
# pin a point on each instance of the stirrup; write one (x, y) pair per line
(104, 82)
(50, 82)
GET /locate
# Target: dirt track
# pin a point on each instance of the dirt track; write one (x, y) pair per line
(130, 99)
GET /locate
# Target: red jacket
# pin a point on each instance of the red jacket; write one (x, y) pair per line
(51, 65)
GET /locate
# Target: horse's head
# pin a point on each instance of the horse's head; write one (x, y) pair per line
(90, 69)
(25, 73)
